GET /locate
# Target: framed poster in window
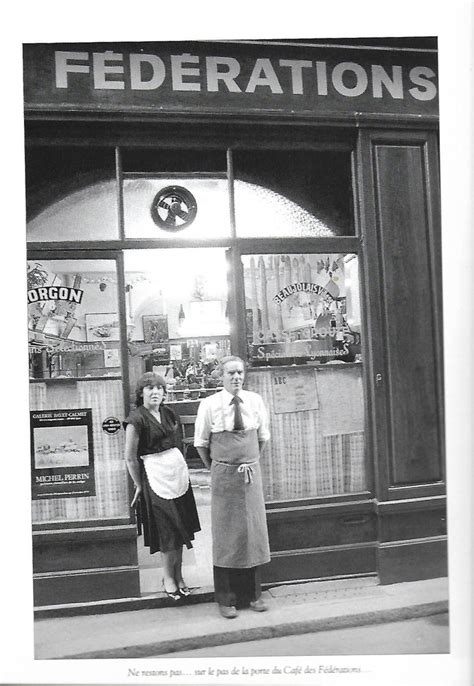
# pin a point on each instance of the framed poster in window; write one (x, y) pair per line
(62, 453)
(102, 327)
(155, 328)
(112, 357)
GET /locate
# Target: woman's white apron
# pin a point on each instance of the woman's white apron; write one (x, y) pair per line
(167, 473)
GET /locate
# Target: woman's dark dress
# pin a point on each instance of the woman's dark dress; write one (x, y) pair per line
(167, 524)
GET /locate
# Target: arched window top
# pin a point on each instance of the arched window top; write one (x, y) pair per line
(91, 212)
(87, 214)
(262, 212)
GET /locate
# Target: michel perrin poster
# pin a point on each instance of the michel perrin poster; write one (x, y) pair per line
(62, 453)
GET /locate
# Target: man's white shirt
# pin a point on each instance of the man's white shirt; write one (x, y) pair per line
(216, 413)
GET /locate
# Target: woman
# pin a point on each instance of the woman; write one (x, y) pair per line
(161, 478)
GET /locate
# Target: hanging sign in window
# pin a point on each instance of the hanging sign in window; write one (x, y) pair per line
(294, 391)
(62, 454)
(111, 425)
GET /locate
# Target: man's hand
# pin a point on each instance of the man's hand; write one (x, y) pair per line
(138, 490)
(205, 455)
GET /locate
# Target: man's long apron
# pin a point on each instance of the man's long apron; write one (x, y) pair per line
(239, 525)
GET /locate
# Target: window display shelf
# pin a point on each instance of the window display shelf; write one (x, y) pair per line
(186, 394)
(308, 365)
(75, 379)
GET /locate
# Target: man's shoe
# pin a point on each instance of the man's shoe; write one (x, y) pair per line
(228, 611)
(258, 605)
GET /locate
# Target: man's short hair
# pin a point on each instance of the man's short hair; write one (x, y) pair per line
(229, 358)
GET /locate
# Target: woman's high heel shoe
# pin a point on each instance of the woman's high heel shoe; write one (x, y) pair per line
(183, 588)
(174, 595)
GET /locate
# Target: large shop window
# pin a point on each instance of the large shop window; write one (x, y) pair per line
(303, 335)
(76, 393)
(300, 312)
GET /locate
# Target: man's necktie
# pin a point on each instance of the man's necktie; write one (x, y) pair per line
(238, 422)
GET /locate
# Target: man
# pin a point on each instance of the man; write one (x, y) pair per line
(231, 429)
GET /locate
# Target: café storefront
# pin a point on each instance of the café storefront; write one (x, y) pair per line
(278, 201)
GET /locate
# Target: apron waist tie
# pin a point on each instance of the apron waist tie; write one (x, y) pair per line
(245, 468)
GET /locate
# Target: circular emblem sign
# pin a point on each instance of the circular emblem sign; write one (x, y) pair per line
(111, 425)
(174, 208)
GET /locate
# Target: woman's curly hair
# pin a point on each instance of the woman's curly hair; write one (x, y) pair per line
(148, 379)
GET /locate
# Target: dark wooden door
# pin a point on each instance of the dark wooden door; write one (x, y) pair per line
(403, 284)
(400, 226)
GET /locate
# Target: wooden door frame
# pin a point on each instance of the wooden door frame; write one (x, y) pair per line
(377, 353)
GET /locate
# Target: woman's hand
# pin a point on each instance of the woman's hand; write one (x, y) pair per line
(138, 490)
(131, 447)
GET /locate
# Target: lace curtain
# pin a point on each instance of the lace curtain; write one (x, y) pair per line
(315, 452)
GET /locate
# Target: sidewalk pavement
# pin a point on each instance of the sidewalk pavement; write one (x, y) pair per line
(123, 630)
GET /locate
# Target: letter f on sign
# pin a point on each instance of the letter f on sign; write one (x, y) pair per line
(63, 67)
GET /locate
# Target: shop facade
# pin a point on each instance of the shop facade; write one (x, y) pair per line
(277, 201)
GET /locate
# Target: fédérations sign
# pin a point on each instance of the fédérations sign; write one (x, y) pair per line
(233, 77)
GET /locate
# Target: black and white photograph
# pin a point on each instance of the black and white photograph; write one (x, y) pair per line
(236, 251)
